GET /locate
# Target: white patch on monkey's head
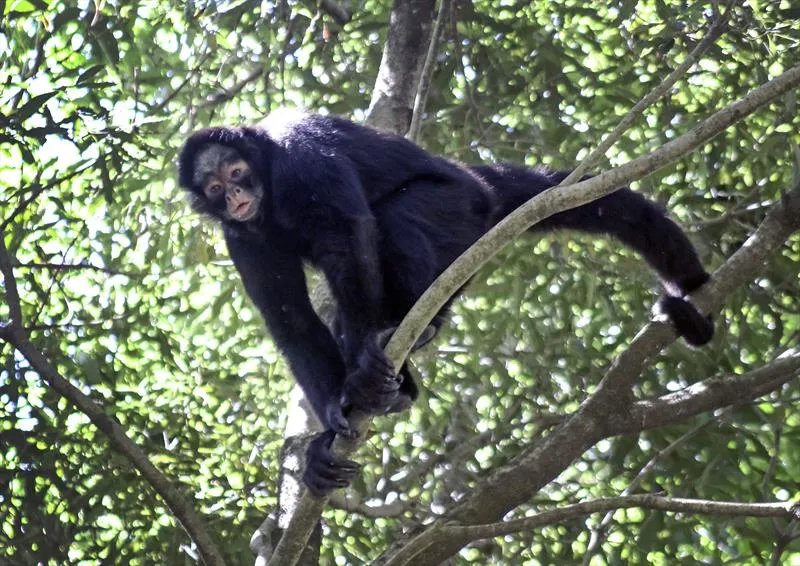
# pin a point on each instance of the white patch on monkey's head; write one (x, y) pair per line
(281, 122)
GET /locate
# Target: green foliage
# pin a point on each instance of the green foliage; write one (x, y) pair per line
(132, 297)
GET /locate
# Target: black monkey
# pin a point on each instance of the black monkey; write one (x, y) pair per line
(381, 218)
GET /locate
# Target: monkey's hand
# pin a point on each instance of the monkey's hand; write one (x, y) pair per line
(373, 387)
(324, 470)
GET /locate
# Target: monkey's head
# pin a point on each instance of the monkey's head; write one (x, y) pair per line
(223, 171)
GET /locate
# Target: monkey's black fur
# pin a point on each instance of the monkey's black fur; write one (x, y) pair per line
(382, 218)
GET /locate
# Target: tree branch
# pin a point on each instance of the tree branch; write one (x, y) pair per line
(782, 220)
(602, 414)
(14, 324)
(192, 73)
(38, 190)
(226, 94)
(77, 267)
(708, 395)
(558, 199)
(392, 104)
(390, 110)
(718, 27)
(427, 71)
(178, 504)
(353, 503)
(599, 531)
(464, 534)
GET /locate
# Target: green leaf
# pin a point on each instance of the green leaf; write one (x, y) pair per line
(31, 106)
(89, 73)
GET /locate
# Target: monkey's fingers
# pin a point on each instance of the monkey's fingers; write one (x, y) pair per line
(401, 404)
(368, 393)
(337, 421)
(382, 337)
(324, 470)
(427, 335)
(372, 360)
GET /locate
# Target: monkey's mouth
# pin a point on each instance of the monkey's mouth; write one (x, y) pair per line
(245, 210)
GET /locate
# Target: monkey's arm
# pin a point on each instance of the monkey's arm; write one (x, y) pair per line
(321, 199)
(273, 278)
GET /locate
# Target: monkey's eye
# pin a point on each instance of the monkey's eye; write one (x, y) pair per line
(214, 189)
(236, 173)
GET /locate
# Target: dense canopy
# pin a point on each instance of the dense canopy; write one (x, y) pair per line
(131, 296)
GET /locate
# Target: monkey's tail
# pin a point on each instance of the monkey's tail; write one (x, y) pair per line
(632, 219)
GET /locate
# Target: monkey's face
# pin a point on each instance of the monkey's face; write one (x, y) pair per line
(225, 184)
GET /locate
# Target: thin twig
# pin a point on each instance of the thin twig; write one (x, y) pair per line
(597, 533)
(427, 72)
(77, 267)
(38, 191)
(226, 94)
(717, 28)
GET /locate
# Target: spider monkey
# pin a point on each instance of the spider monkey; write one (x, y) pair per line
(381, 218)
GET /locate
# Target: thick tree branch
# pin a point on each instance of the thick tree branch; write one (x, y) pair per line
(464, 534)
(708, 395)
(744, 265)
(390, 110)
(14, 324)
(603, 414)
(178, 504)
